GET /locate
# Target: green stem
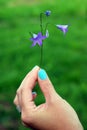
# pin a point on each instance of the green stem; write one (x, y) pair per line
(41, 56)
(46, 27)
(41, 23)
(41, 48)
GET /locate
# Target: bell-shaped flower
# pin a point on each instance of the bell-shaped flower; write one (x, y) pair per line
(63, 28)
(38, 38)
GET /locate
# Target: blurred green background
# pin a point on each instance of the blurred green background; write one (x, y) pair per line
(65, 57)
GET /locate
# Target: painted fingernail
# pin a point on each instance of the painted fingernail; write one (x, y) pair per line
(42, 74)
(18, 109)
(34, 93)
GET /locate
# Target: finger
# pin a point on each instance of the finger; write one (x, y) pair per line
(19, 97)
(46, 86)
(16, 100)
(29, 83)
(27, 76)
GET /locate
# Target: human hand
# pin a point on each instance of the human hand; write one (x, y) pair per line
(54, 114)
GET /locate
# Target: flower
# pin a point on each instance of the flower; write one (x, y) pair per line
(47, 13)
(37, 39)
(63, 28)
(47, 34)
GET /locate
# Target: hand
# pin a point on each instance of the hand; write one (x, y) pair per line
(54, 114)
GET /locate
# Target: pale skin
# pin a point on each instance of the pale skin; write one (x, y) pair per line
(54, 114)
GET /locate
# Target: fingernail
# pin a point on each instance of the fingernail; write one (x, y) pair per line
(34, 93)
(18, 109)
(42, 74)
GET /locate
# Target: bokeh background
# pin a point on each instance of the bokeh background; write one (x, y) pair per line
(65, 57)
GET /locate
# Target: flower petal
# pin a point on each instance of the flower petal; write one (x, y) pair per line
(47, 34)
(34, 35)
(37, 39)
(40, 42)
(34, 43)
(63, 28)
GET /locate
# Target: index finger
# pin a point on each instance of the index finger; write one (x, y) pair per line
(26, 91)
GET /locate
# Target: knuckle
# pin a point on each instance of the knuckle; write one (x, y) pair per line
(15, 101)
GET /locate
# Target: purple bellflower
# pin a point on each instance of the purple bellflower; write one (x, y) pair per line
(63, 28)
(47, 13)
(38, 38)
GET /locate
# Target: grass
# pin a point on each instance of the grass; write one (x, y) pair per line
(65, 58)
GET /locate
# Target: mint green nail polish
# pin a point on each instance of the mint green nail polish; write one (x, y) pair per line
(42, 74)
(34, 93)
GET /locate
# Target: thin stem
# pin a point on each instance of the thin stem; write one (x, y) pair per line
(41, 56)
(46, 26)
(41, 23)
(41, 48)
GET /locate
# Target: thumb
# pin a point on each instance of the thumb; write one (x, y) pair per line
(46, 85)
